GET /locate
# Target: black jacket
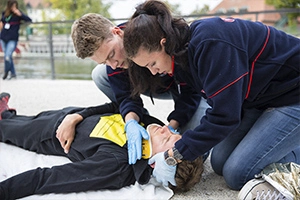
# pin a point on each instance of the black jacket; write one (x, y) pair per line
(96, 163)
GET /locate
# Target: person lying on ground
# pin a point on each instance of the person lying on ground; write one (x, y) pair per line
(98, 151)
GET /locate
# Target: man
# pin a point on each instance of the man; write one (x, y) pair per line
(97, 38)
(98, 151)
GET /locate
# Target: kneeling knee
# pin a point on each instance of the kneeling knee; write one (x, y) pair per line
(234, 177)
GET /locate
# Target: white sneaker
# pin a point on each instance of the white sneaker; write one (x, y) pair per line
(259, 189)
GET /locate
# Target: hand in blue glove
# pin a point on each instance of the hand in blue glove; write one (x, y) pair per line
(173, 130)
(135, 133)
(163, 172)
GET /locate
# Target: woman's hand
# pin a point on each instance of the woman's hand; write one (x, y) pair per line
(163, 172)
(15, 10)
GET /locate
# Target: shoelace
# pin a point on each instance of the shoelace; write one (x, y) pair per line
(265, 195)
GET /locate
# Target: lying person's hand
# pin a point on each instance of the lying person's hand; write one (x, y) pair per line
(135, 133)
(162, 172)
(65, 132)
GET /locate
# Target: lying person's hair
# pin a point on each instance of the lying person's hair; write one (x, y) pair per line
(188, 174)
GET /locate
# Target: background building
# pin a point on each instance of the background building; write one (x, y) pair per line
(232, 7)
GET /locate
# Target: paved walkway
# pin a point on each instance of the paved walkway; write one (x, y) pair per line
(30, 96)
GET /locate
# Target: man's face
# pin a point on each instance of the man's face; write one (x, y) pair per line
(112, 52)
(162, 138)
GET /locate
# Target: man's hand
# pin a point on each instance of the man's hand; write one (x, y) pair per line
(135, 133)
(163, 172)
(65, 132)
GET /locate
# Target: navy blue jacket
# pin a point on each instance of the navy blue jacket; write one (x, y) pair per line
(13, 32)
(237, 64)
(185, 105)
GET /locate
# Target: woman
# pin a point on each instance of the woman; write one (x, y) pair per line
(98, 151)
(11, 20)
(248, 72)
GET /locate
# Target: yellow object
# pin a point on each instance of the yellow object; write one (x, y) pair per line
(146, 148)
(112, 128)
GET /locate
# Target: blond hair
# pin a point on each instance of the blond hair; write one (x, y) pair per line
(89, 32)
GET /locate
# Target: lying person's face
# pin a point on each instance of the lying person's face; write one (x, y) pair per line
(161, 138)
(112, 52)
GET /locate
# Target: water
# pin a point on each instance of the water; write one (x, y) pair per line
(39, 67)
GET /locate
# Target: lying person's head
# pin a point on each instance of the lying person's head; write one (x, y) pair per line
(97, 38)
(188, 173)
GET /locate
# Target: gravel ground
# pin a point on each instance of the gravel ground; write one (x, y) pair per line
(31, 96)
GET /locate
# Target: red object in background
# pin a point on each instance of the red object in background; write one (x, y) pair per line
(17, 50)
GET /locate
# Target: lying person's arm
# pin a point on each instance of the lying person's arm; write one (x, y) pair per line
(65, 132)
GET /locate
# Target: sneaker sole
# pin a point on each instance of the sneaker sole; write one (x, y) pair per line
(245, 192)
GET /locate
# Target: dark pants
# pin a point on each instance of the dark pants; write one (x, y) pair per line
(92, 168)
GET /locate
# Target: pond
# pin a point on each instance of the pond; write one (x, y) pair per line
(39, 67)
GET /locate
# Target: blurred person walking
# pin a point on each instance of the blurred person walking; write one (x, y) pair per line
(10, 24)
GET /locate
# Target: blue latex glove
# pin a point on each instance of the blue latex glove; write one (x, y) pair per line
(135, 133)
(173, 130)
(163, 172)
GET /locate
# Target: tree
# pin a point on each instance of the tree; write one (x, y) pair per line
(74, 9)
(292, 17)
(173, 7)
(21, 5)
(199, 11)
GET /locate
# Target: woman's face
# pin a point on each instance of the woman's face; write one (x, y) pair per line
(13, 6)
(162, 138)
(157, 61)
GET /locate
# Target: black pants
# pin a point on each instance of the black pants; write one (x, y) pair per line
(92, 167)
